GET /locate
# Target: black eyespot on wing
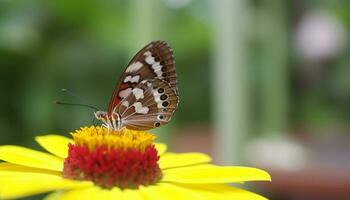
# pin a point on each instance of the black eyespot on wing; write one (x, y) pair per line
(163, 97)
(160, 90)
(157, 124)
(165, 103)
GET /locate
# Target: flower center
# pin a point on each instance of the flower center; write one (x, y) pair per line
(125, 158)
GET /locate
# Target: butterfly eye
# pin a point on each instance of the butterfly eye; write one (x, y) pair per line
(160, 90)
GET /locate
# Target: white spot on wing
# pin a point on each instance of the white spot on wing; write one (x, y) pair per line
(125, 103)
(135, 79)
(134, 67)
(147, 53)
(155, 65)
(140, 109)
(138, 93)
(156, 97)
(127, 79)
(150, 60)
(124, 93)
(157, 69)
(132, 79)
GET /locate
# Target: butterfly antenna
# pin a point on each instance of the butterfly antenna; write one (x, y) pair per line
(77, 104)
(77, 97)
(73, 94)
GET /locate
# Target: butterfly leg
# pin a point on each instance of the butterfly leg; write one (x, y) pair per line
(105, 126)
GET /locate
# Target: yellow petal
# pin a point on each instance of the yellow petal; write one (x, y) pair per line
(85, 193)
(129, 194)
(212, 192)
(8, 168)
(31, 158)
(54, 196)
(168, 191)
(55, 144)
(163, 192)
(225, 190)
(161, 148)
(214, 174)
(16, 185)
(172, 160)
(93, 193)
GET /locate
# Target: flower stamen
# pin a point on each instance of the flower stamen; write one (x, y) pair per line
(125, 158)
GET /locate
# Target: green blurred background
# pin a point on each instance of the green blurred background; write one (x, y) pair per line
(262, 83)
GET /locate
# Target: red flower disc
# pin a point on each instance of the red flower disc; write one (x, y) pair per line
(124, 168)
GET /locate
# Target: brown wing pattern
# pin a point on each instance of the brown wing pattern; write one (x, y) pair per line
(154, 61)
(151, 104)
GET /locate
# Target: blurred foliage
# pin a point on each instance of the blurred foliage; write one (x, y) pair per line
(84, 46)
(320, 94)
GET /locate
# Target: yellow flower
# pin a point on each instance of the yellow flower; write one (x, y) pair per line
(99, 164)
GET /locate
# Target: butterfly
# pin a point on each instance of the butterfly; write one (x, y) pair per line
(146, 96)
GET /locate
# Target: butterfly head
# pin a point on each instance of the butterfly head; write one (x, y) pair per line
(101, 115)
(109, 121)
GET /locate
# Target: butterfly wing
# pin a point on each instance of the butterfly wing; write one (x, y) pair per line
(151, 104)
(154, 61)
